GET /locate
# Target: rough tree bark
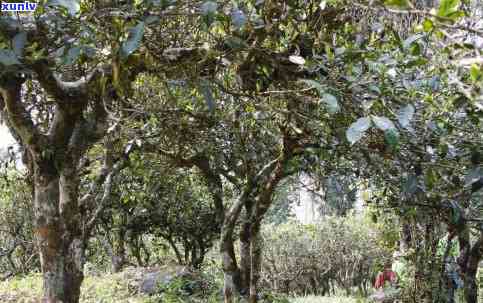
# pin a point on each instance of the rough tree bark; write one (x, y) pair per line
(267, 182)
(255, 261)
(473, 258)
(245, 254)
(231, 272)
(118, 257)
(60, 250)
(54, 158)
(262, 204)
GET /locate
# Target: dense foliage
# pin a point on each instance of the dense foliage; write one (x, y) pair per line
(17, 248)
(337, 253)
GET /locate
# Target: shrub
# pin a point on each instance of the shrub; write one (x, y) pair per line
(17, 247)
(315, 259)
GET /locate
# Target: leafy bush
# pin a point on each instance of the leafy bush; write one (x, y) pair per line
(191, 286)
(17, 247)
(175, 211)
(336, 253)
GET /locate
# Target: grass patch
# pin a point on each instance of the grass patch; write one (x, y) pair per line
(108, 288)
(21, 289)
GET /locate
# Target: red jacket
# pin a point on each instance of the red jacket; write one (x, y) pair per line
(383, 277)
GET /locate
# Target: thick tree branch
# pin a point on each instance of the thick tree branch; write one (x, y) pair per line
(106, 178)
(103, 200)
(88, 131)
(19, 119)
(100, 179)
(210, 174)
(62, 91)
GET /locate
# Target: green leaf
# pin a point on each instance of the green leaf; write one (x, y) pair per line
(357, 129)
(405, 115)
(415, 49)
(72, 6)
(89, 51)
(72, 55)
(455, 212)
(375, 89)
(208, 10)
(383, 123)
(397, 3)
(329, 52)
(428, 25)
(8, 57)
(18, 43)
(475, 73)
(430, 178)
(473, 175)
(135, 36)
(447, 7)
(209, 7)
(329, 99)
(456, 15)
(331, 102)
(391, 136)
(412, 39)
(208, 96)
(235, 43)
(410, 186)
(314, 84)
(416, 62)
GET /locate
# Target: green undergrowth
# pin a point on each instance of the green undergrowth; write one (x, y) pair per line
(108, 288)
(115, 288)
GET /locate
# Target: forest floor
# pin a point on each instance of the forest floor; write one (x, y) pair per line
(109, 288)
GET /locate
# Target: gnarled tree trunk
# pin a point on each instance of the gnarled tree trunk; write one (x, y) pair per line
(256, 261)
(58, 233)
(245, 246)
(54, 159)
(231, 272)
(471, 285)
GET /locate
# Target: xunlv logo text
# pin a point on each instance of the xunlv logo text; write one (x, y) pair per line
(18, 7)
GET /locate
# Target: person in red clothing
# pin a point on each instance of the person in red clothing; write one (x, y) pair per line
(385, 285)
(387, 275)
